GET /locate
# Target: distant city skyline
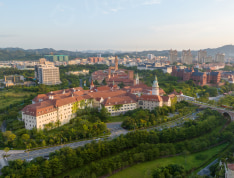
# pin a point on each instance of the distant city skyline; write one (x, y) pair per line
(126, 25)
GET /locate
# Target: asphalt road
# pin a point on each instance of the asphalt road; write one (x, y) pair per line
(217, 98)
(115, 129)
(206, 171)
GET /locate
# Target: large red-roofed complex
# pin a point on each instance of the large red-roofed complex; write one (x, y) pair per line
(114, 74)
(61, 105)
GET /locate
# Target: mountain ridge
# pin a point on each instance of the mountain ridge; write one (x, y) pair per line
(34, 54)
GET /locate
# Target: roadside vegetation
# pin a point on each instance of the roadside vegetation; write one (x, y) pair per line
(105, 157)
(228, 101)
(139, 118)
(87, 124)
(186, 162)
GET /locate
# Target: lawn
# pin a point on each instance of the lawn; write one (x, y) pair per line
(143, 170)
(10, 97)
(117, 119)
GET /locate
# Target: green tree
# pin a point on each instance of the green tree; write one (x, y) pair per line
(46, 169)
(6, 149)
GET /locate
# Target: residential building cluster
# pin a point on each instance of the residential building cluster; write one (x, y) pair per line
(164, 66)
(228, 76)
(188, 58)
(12, 80)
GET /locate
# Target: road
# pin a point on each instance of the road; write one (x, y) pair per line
(4, 161)
(210, 106)
(115, 129)
(217, 98)
(206, 171)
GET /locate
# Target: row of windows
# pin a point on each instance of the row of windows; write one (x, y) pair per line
(125, 109)
(31, 125)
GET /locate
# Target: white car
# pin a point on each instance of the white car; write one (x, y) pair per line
(30, 159)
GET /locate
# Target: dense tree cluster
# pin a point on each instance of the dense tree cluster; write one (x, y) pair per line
(144, 118)
(14, 71)
(227, 156)
(228, 100)
(172, 170)
(227, 87)
(103, 157)
(86, 125)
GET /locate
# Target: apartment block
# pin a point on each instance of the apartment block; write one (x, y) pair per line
(46, 73)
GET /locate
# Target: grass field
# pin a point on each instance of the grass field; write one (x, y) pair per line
(10, 97)
(143, 170)
(117, 119)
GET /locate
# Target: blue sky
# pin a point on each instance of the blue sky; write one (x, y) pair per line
(116, 24)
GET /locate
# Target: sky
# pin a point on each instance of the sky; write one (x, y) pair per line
(128, 25)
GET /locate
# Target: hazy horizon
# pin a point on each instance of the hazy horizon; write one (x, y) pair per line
(124, 25)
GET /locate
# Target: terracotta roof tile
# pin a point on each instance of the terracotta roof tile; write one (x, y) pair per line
(231, 166)
(119, 100)
(151, 98)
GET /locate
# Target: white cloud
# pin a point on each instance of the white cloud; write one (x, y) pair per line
(111, 10)
(1, 4)
(116, 9)
(105, 12)
(152, 2)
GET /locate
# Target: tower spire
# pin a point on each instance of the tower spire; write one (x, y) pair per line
(155, 87)
(137, 79)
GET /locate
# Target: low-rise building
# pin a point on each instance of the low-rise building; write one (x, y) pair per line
(200, 78)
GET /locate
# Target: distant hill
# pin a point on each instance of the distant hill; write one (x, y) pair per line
(7, 54)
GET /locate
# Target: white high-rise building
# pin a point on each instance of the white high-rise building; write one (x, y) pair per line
(155, 87)
(150, 56)
(46, 73)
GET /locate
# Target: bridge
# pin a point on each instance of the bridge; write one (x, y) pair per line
(223, 111)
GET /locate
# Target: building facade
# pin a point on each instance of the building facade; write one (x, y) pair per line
(173, 54)
(46, 73)
(187, 57)
(202, 55)
(200, 78)
(95, 59)
(54, 58)
(220, 57)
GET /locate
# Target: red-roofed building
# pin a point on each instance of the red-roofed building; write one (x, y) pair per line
(62, 104)
(229, 170)
(114, 74)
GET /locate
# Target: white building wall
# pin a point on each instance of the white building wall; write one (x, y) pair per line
(126, 107)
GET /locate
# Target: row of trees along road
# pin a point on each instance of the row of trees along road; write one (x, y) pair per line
(103, 157)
